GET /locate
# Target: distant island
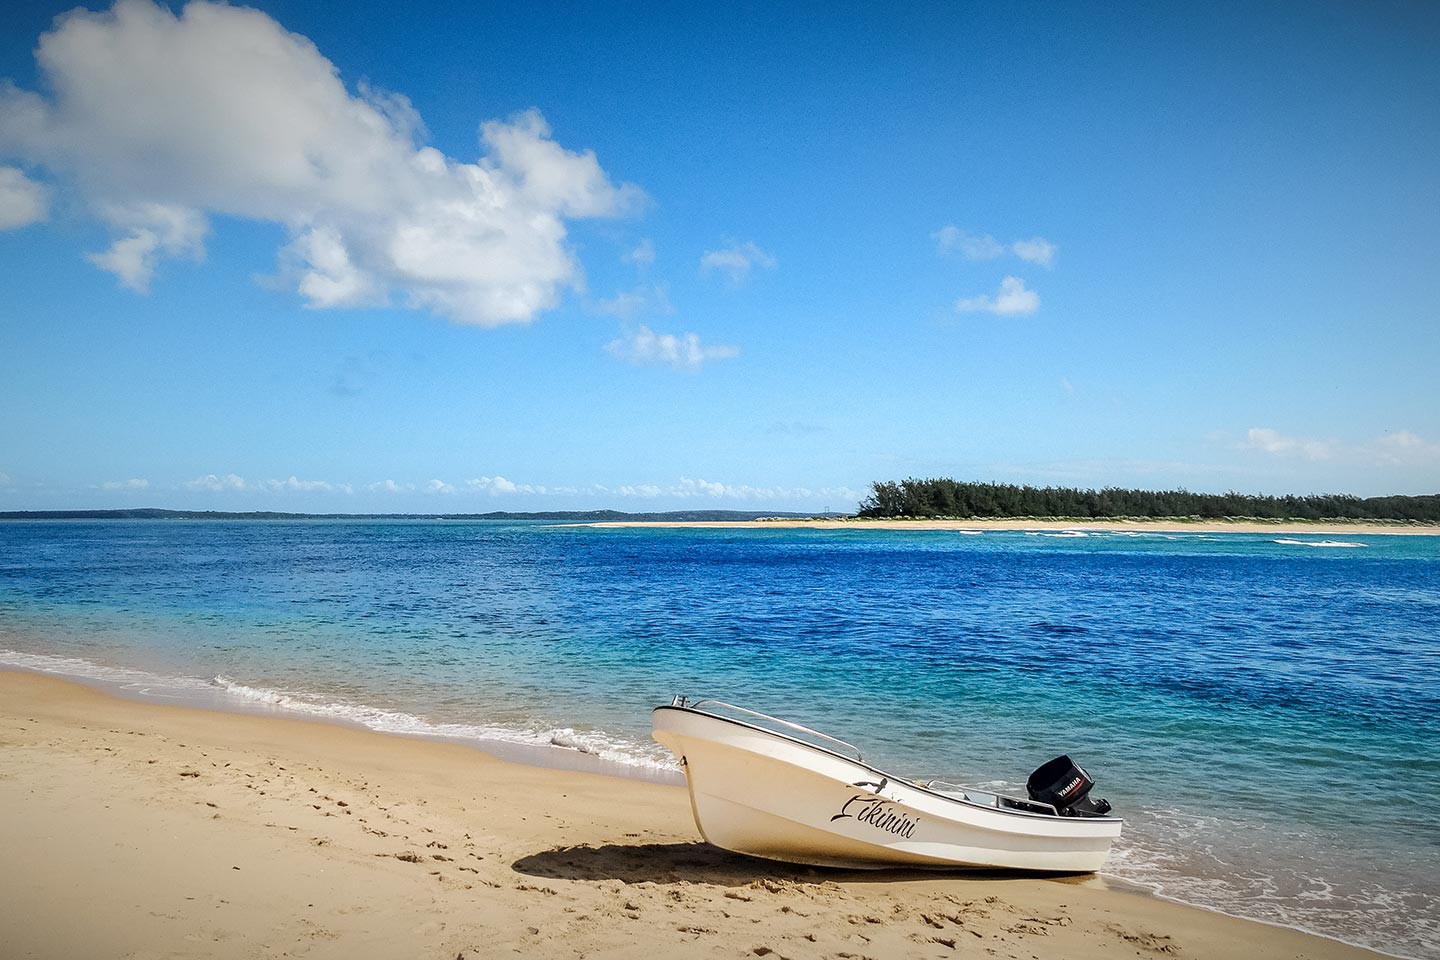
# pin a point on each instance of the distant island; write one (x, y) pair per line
(567, 516)
(947, 498)
(911, 499)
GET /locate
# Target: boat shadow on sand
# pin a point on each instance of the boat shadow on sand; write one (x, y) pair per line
(702, 863)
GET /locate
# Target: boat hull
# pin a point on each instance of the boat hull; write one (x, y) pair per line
(769, 795)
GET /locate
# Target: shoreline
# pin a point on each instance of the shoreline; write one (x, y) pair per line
(143, 686)
(535, 859)
(1298, 527)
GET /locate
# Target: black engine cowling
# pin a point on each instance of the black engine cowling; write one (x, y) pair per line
(1065, 785)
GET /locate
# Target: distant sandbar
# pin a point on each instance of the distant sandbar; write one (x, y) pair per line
(1325, 527)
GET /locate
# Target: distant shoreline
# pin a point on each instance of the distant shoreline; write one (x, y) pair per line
(1327, 527)
(573, 516)
(759, 520)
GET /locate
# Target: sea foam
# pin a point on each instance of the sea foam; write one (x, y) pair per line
(595, 743)
(647, 760)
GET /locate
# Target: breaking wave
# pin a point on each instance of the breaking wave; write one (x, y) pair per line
(647, 760)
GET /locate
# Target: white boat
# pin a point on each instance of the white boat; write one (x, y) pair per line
(769, 788)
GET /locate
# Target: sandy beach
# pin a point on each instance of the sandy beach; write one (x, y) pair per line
(1278, 527)
(135, 829)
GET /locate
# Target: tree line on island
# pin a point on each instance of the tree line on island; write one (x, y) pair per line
(944, 497)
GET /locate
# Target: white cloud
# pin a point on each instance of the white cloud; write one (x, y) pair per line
(626, 304)
(1273, 442)
(215, 484)
(327, 275)
(495, 485)
(647, 490)
(1401, 440)
(1035, 250)
(150, 229)
(701, 488)
(1400, 448)
(736, 261)
(499, 486)
(22, 200)
(1011, 300)
(231, 483)
(1404, 440)
(683, 489)
(951, 239)
(160, 121)
(688, 488)
(1403, 448)
(134, 485)
(642, 254)
(643, 299)
(683, 352)
(296, 485)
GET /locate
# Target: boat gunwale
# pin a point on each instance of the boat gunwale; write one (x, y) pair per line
(963, 801)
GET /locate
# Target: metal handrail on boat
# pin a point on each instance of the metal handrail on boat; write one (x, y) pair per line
(1019, 803)
(680, 701)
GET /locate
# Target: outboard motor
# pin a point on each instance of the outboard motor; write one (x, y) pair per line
(1064, 785)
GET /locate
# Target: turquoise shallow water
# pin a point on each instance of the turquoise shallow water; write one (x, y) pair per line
(1262, 709)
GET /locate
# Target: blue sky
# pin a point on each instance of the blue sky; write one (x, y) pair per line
(483, 257)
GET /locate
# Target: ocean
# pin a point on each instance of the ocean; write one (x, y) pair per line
(1264, 710)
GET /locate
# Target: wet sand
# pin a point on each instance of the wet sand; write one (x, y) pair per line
(144, 830)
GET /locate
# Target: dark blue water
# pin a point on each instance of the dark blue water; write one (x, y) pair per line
(1263, 709)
